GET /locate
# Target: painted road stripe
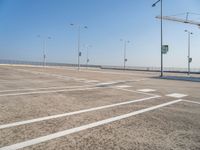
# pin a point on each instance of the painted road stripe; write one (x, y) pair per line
(73, 78)
(44, 88)
(53, 75)
(72, 113)
(150, 94)
(123, 86)
(146, 90)
(44, 92)
(176, 95)
(189, 101)
(84, 127)
(91, 81)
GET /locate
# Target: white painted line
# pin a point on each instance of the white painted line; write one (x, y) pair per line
(53, 75)
(146, 90)
(189, 101)
(176, 95)
(80, 79)
(84, 127)
(91, 81)
(73, 113)
(105, 84)
(150, 94)
(44, 92)
(123, 86)
(73, 78)
(45, 88)
(113, 82)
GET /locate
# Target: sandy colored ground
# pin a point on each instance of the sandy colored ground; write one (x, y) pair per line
(173, 127)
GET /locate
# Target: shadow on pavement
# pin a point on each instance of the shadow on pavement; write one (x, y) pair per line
(181, 78)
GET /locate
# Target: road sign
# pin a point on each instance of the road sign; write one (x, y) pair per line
(79, 54)
(165, 49)
(190, 60)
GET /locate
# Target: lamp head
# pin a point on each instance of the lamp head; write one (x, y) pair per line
(153, 5)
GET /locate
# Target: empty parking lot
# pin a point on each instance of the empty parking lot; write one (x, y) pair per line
(62, 108)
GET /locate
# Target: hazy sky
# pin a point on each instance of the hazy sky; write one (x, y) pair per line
(108, 21)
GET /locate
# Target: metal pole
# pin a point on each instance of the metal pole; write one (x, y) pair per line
(79, 47)
(87, 59)
(124, 55)
(44, 55)
(161, 23)
(189, 53)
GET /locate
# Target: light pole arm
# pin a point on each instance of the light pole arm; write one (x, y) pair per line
(156, 3)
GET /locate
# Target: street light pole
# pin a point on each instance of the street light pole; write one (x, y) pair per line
(124, 55)
(87, 54)
(161, 36)
(125, 44)
(189, 59)
(44, 54)
(87, 61)
(44, 49)
(161, 33)
(79, 28)
(79, 34)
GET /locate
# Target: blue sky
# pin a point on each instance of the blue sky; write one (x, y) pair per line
(108, 21)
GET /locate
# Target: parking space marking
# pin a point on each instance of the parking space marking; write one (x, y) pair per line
(84, 127)
(45, 92)
(45, 88)
(73, 113)
(146, 90)
(176, 95)
(91, 81)
(150, 94)
(123, 86)
(73, 78)
(54, 75)
(189, 101)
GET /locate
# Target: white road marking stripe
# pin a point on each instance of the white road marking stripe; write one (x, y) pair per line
(45, 88)
(84, 127)
(150, 94)
(176, 95)
(44, 92)
(189, 101)
(53, 75)
(146, 90)
(114, 82)
(91, 81)
(72, 113)
(123, 86)
(67, 77)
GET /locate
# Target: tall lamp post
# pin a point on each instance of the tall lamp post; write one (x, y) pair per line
(79, 32)
(44, 48)
(125, 44)
(87, 54)
(161, 35)
(189, 58)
